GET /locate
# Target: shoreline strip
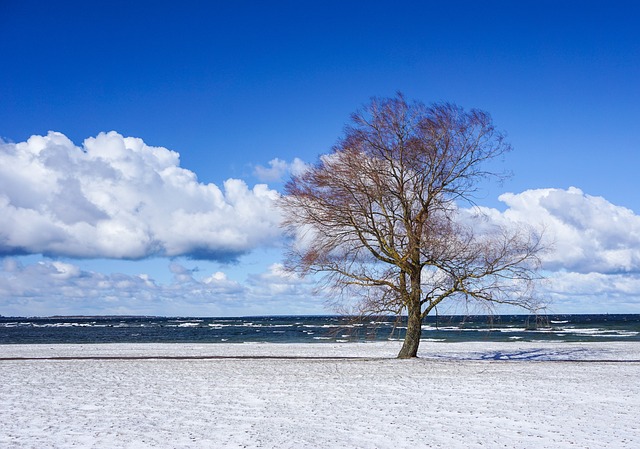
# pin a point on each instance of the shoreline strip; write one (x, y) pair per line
(285, 357)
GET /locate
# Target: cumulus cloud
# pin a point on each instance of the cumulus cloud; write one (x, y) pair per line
(278, 169)
(594, 259)
(116, 197)
(52, 287)
(587, 233)
(593, 292)
(593, 265)
(277, 281)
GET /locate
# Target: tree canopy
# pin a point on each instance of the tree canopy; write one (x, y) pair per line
(381, 217)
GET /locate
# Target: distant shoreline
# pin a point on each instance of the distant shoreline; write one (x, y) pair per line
(601, 351)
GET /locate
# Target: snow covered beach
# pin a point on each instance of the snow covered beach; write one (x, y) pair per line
(457, 395)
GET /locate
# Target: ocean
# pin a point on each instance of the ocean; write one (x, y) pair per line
(315, 329)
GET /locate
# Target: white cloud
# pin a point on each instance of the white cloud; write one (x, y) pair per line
(277, 281)
(298, 167)
(117, 197)
(572, 292)
(594, 263)
(51, 287)
(594, 284)
(587, 233)
(278, 169)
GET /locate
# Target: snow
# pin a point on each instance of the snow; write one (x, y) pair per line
(456, 395)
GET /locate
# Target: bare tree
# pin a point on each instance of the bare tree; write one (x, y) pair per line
(380, 216)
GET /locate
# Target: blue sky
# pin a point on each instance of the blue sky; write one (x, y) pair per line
(217, 91)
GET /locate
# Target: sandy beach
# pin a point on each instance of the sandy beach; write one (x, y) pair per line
(456, 395)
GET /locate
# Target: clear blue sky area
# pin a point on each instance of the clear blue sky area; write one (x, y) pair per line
(233, 85)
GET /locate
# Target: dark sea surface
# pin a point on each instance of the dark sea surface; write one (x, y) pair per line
(315, 329)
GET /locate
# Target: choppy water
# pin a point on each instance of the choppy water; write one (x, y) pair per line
(292, 329)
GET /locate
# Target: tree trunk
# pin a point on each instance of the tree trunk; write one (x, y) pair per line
(414, 331)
